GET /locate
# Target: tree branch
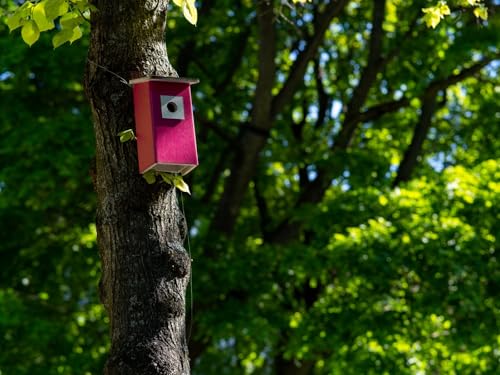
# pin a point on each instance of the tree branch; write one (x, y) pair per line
(296, 75)
(251, 142)
(367, 79)
(265, 217)
(314, 190)
(419, 134)
(410, 158)
(236, 55)
(465, 73)
(212, 125)
(323, 98)
(375, 112)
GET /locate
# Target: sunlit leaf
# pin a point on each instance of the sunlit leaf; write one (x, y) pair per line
(70, 20)
(55, 8)
(19, 17)
(30, 33)
(481, 12)
(126, 135)
(40, 17)
(181, 185)
(76, 33)
(190, 12)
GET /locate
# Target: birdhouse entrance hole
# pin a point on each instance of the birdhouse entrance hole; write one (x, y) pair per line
(172, 107)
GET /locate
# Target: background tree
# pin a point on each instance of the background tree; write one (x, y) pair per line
(343, 218)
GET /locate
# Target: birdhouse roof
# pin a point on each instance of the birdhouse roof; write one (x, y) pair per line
(190, 81)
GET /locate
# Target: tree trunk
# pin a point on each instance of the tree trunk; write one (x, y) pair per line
(140, 229)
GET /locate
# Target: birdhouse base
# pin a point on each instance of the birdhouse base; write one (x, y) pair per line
(183, 169)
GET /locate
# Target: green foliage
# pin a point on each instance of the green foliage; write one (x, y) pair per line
(68, 17)
(380, 280)
(51, 321)
(175, 180)
(36, 17)
(434, 14)
(126, 135)
(188, 10)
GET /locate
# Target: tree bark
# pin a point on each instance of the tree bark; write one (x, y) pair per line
(140, 229)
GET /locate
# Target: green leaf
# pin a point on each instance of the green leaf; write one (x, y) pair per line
(55, 8)
(67, 35)
(126, 135)
(167, 177)
(190, 12)
(433, 15)
(481, 12)
(82, 5)
(40, 17)
(30, 32)
(62, 37)
(179, 2)
(444, 10)
(150, 177)
(181, 185)
(77, 34)
(19, 17)
(432, 20)
(70, 20)
(15, 21)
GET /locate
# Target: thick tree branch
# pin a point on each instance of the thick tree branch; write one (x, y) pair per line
(250, 141)
(264, 215)
(420, 133)
(375, 112)
(324, 99)
(368, 77)
(264, 108)
(296, 75)
(410, 158)
(216, 174)
(236, 55)
(315, 190)
(213, 126)
(444, 83)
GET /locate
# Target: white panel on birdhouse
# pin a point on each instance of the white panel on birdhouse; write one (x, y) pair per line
(172, 107)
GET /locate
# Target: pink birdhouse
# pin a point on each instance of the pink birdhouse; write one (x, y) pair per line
(164, 124)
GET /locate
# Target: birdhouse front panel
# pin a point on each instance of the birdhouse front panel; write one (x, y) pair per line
(165, 131)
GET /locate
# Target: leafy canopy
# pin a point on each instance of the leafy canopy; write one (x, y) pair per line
(67, 17)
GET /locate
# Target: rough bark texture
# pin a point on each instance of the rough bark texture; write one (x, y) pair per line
(145, 268)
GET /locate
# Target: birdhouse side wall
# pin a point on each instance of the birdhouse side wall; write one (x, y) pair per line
(143, 111)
